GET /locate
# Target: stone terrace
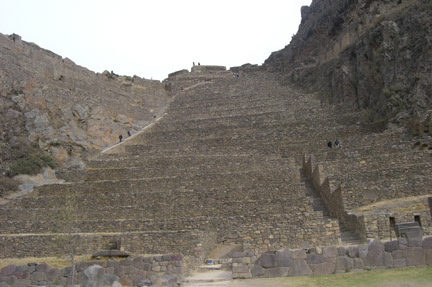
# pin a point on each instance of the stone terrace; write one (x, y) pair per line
(224, 166)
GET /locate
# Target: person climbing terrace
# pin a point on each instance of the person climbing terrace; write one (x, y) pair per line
(338, 144)
(329, 144)
(120, 137)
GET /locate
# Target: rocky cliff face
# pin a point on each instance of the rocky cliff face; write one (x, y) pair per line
(373, 54)
(52, 110)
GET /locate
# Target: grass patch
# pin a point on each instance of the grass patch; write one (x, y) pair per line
(408, 277)
(57, 262)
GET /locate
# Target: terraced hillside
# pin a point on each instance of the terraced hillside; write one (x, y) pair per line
(223, 166)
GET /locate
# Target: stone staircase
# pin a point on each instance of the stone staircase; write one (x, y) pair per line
(222, 166)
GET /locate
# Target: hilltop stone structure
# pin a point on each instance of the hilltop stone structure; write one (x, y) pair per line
(237, 161)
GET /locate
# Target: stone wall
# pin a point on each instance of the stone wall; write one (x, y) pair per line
(333, 198)
(128, 272)
(194, 243)
(379, 226)
(365, 225)
(329, 260)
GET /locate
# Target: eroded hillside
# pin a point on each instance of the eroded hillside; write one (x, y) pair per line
(53, 111)
(374, 54)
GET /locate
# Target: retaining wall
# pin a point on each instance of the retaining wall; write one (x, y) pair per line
(128, 272)
(332, 259)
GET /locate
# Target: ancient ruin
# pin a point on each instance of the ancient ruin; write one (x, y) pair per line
(231, 165)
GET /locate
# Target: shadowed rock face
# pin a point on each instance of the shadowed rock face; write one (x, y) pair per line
(376, 55)
(64, 109)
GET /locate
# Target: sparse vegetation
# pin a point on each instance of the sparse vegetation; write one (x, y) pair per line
(31, 164)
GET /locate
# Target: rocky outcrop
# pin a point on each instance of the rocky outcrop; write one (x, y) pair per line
(54, 110)
(376, 55)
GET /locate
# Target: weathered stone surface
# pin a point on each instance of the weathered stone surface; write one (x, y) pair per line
(299, 267)
(358, 263)
(322, 268)
(284, 253)
(428, 255)
(267, 260)
(110, 278)
(94, 276)
(276, 272)
(353, 251)
(399, 262)
(298, 254)
(388, 259)
(391, 246)
(415, 242)
(316, 259)
(375, 255)
(363, 250)
(284, 262)
(330, 251)
(399, 254)
(344, 263)
(8, 270)
(427, 243)
(342, 251)
(415, 256)
(257, 271)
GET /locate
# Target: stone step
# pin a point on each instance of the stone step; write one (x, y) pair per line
(49, 245)
(21, 225)
(191, 208)
(185, 162)
(115, 198)
(252, 179)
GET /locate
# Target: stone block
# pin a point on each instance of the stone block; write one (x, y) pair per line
(415, 256)
(257, 271)
(375, 255)
(267, 260)
(8, 270)
(330, 251)
(112, 263)
(363, 250)
(38, 276)
(299, 267)
(239, 254)
(344, 263)
(284, 262)
(284, 253)
(166, 258)
(22, 268)
(427, 243)
(428, 255)
(342, 251)
(399, 262)
(402, 241)
(415, 242)
(322, 268)
(353, 251)
(125, 262)
(399, 254)
(391, 246)
(22, 282)
(240, 269)
(388, 259)
(94, 276)
(276, 272)
(109, 279)
(298, 254)
(316, 259)
(358, 263)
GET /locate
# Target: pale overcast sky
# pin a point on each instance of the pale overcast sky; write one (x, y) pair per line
(152, 38)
